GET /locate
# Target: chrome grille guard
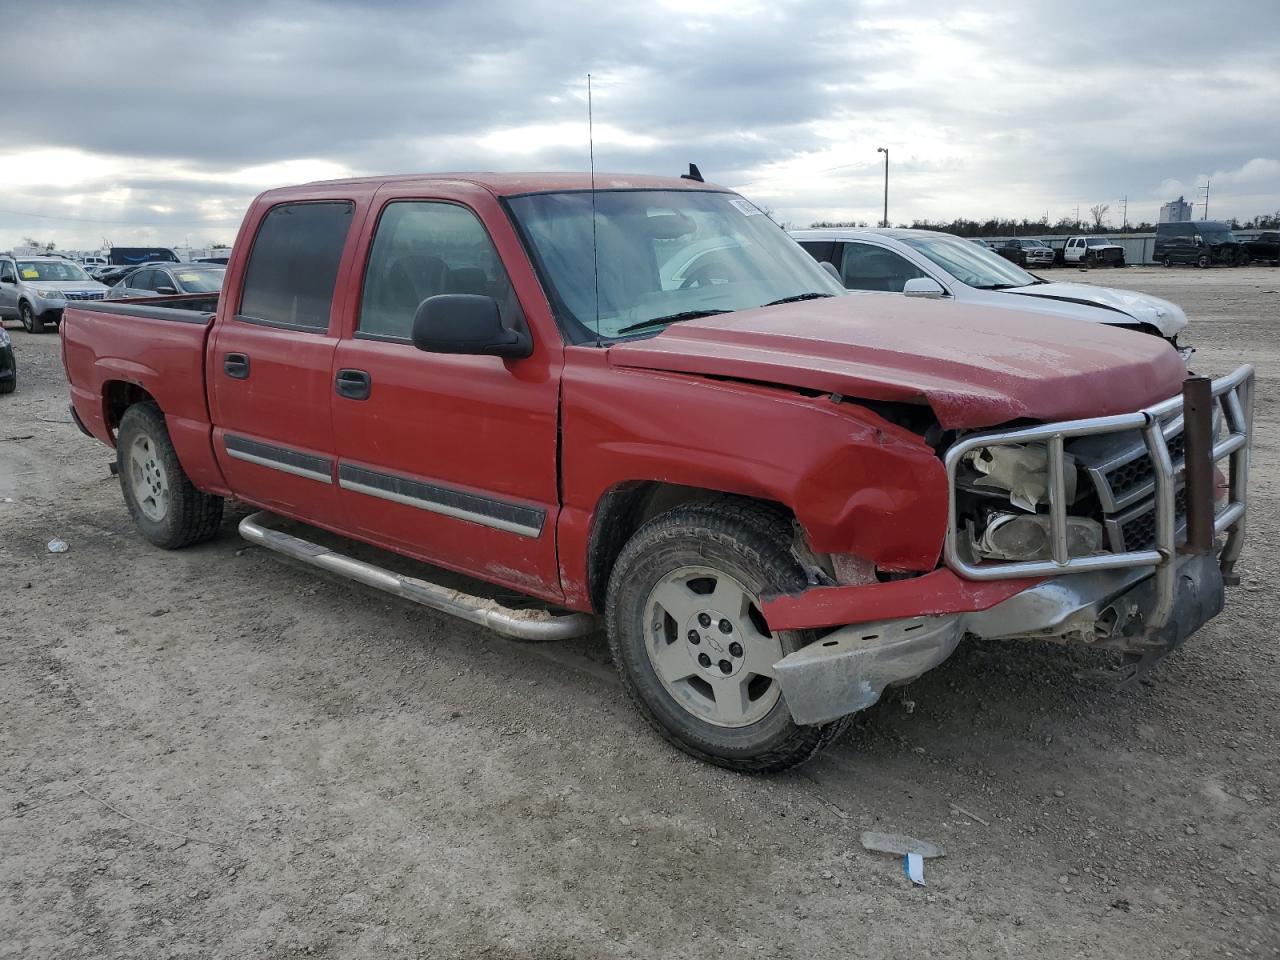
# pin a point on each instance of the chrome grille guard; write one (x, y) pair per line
(1233, 394)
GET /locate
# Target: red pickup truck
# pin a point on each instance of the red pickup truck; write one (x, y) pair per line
(642, 404)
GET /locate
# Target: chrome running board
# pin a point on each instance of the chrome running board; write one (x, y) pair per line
(518, 624)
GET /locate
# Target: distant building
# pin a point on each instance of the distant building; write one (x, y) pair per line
(1175, 211)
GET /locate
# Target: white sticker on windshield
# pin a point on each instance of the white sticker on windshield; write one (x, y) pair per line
(747, 208)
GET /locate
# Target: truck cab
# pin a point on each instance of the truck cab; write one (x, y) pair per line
(638, 403)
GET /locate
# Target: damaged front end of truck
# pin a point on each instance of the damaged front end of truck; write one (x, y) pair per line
(1116, 532)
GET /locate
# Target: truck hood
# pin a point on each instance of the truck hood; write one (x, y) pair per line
(1166, 317)
(975, 367)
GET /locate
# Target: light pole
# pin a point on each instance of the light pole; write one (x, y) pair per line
(885, 150)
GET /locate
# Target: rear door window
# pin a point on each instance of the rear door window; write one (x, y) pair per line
(423, 249)
(293, 265)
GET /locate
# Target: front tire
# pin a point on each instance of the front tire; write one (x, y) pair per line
(1166, 262)
(166, 507)
(693, 650)
(1203, 261)
(30, 321)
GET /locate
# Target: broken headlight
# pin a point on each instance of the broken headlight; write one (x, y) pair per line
(1020, 473)
(1021, 470)
(1025, 536)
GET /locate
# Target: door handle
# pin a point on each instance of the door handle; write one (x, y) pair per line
(354, 384)
(236, 366)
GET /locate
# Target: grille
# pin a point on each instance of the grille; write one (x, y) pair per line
(1140, 472)
(83, 294)
(1139, 532)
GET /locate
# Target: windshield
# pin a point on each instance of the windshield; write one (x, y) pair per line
(200, 281)
(970, 264)
(50, 270)
(1216, 234)
(661, 254)
(1099, 242)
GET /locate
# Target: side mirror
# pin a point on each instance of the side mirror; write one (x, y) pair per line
(469, 324)
(165, 290)
(924, 287)
(830, 267)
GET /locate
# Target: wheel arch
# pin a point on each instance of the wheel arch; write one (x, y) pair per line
(118, 396)
(626, 506)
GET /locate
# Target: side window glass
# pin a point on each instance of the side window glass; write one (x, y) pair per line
(864, 267)
(6, 272)
(423, 249)
(293, 265)
(820, 250)
(141, 280)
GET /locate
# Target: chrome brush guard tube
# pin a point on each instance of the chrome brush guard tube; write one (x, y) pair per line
(1232, 395)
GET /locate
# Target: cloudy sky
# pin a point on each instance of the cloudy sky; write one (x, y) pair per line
(157, 123)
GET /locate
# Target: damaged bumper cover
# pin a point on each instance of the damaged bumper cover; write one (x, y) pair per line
(848, 670)
(1146, 602)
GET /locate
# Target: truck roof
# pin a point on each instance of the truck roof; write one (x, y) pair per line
(511, 184)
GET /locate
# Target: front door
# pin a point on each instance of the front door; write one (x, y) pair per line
(269, 364)
(448, 458)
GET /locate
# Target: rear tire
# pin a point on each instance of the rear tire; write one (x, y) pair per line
(1166, 262)
(167, 508)
(698, 571)
(30, 322)
(10, 385)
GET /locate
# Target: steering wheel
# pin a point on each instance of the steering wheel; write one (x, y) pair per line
(704, 273)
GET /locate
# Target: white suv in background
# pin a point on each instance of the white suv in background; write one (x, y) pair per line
(940, 266)
(36, 290)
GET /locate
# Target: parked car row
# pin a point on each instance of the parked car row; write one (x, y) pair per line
(1200, 243)
(36, 290)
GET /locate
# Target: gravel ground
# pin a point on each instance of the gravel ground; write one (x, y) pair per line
(213, 753)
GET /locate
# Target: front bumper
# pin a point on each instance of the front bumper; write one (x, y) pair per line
(50, 311)
(848, 670)
(1144, 601)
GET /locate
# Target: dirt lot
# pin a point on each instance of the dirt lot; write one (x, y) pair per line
(212, 753)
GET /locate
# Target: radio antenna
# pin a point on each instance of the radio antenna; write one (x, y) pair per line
(595, 257)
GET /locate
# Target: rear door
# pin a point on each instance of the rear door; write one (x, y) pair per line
(269, 363)
(448, 458)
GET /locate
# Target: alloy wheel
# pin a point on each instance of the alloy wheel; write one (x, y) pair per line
(148, 479)
(710, 647)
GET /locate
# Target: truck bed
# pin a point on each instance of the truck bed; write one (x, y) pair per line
(117, 351)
